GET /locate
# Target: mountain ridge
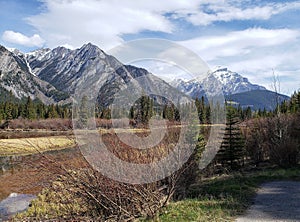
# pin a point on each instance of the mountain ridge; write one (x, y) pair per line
(67, 70)
(60, 71)
(236, 88)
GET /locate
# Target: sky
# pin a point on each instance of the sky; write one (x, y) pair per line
(256, 38)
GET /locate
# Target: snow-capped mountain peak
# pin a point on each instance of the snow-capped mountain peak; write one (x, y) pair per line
(15, 51)
(38, 54)
(231, 83)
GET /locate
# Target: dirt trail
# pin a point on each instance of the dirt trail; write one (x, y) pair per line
(275, 201)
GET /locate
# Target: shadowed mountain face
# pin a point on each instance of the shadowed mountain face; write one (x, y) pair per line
(258, 99)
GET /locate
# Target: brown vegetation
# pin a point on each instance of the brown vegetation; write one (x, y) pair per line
(273, 139)
(30, 174)
(104, 199)
(46, 124)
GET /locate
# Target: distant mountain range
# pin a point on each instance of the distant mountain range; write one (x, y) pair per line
(231, 83)
(52, 76)
(235, 87)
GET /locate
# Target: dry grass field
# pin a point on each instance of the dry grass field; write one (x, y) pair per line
(25, 146)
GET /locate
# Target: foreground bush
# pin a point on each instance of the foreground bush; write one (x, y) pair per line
(89, 195)
(86, 194)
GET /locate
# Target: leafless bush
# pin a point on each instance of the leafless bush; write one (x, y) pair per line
(255, 134)
(103, 123)
(86, 194)
(273, 139)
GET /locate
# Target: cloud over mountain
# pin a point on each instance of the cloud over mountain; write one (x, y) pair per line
(20, 39)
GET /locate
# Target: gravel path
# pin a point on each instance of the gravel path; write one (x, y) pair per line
(275, 201)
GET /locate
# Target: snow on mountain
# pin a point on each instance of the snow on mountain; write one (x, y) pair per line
(68, 70)
(231, 83)
(38, 54)
(50, 75)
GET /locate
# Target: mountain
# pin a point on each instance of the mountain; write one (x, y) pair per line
(16, 77)
(258, 99)
(89, 67)
(231, 83)
(236, 88)
(53, 76)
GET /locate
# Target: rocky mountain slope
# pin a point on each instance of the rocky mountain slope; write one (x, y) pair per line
(90, 67)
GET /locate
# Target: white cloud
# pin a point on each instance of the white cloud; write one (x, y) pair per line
(228, 11)
(20, 39)
(103, 23)
(164, 70)
(76, 22)
(237, 43)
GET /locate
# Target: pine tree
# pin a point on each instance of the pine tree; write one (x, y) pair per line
(248, 113)
(131, 112)
(142, 110)
(22, 110)
(51, 113)
(8, 111)
(200, 105)
(41, 111)
(231, 153)
(177, 113)
(1, 113)
(294, 104)
(30, 109)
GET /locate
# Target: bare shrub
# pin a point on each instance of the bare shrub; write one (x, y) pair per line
(273, 139)
(103, 123)
(255, 140)
(85, 194)
(46, 124)
(284, 146)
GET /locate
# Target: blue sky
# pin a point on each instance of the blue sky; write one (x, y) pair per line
(251, 37)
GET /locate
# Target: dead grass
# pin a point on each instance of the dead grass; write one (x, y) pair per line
(25, 146)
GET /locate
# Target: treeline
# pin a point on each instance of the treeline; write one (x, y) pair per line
(32, 110)
(143, 109)
(289, 106)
